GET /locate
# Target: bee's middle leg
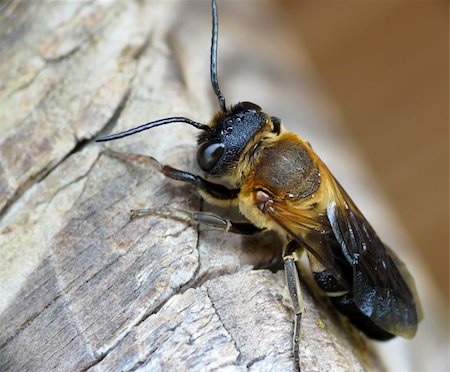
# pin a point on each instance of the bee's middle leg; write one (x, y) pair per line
(203, 218)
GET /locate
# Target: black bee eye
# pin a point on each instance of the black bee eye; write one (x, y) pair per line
(209, 153)
(276, 124)
(249, 106)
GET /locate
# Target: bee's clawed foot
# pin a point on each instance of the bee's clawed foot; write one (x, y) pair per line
(166, 212)
(147, 161)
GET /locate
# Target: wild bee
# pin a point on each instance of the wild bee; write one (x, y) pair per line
(281, 184)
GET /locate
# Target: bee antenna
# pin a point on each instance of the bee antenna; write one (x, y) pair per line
(153, 124)
(213, 65)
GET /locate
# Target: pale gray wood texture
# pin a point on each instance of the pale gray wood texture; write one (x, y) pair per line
(82, 286)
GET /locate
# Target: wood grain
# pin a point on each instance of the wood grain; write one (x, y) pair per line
(81, 285)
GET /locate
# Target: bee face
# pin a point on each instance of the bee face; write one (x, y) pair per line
(221, 147)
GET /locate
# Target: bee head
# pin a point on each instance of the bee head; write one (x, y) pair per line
(221, 147)
(222, 143)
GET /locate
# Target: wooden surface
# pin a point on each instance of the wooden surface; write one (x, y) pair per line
(82, 286)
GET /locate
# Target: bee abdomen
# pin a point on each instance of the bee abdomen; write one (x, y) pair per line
(342, 299)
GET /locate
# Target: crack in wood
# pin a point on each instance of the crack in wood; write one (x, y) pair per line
(133, 325)
(45, 172)
(73, 319)
(70, 183)
(239, 357)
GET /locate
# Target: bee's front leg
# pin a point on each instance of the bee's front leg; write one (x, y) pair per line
(213, 192)
(293, 282)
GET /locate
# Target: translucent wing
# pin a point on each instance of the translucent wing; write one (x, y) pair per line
(383, 289)
(381, 286)
(312, 231)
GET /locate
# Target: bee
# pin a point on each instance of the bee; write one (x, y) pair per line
(279, 183)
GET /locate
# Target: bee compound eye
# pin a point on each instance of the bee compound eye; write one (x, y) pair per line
(209, 153)
(249, 106)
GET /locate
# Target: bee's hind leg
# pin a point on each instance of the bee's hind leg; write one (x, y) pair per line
(203, 218)
(293, 283)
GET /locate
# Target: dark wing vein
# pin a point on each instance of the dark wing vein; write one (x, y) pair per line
(312, 234)
(383, 289)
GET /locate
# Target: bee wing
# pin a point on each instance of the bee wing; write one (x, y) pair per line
(313, 233)
(383, 289)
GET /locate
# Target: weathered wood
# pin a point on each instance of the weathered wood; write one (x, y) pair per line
(81, 285)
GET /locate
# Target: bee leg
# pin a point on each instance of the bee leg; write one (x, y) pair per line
(209, 219)
(293, 282)
(130, 157)
(212, 190)
(204, 218)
